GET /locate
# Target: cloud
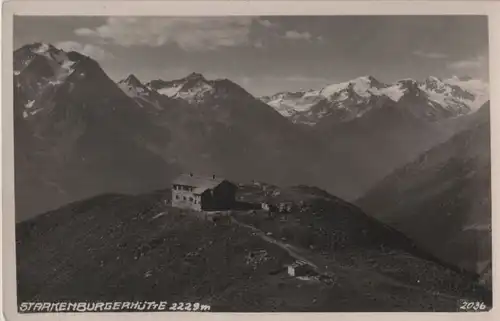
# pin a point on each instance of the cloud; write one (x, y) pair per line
(92, 51)
(267, 23)
(429, 55)
(475, 63)
(475, 67)
(84, 32)
(190, 34)
(295, 35)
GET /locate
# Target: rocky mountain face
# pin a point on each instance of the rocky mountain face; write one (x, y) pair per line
(442, 199)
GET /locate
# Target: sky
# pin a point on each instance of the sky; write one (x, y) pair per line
(267, 55)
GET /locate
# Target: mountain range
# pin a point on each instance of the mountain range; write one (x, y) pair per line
(79, 134)
(216, 126)
(435, 99)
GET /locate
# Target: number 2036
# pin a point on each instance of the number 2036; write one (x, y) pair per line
(472, 306)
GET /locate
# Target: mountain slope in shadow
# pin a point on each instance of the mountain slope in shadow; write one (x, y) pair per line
(442, 200)
(77, 134)
(363, 151)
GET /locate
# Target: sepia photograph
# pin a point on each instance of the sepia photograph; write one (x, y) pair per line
(251, 163)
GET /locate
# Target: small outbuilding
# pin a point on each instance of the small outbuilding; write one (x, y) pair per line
(277, 207)
(299, 268)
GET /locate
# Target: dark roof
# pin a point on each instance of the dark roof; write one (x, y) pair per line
(200, 183)
(299, 263)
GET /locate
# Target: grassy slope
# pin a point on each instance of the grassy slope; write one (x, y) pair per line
(341, 233)
(117, 247)
(104, 249)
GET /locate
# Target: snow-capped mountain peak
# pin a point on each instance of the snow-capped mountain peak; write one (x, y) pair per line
(309, 107)
(132, 86)
(362, 86)
(402, 88)
(45, 54)
(42, 47)
(463, 78)
(462, 93)
(191, 88)
(141, 93)
(367, 81)
(408, 83)
(195, 89)
(40, 68)
(433, 78)
(351, 99)
(478, 88)
(132, 80)
(195, 76)
(434, 83)
(289, 103)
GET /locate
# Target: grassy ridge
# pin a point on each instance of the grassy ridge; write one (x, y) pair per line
(117, 248)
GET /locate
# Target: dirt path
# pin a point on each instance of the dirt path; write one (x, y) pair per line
(292, 251)
(350, 273)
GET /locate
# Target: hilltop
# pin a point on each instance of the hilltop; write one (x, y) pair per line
(119, 247)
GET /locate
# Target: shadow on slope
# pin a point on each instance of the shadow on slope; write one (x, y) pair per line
(442, 200)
